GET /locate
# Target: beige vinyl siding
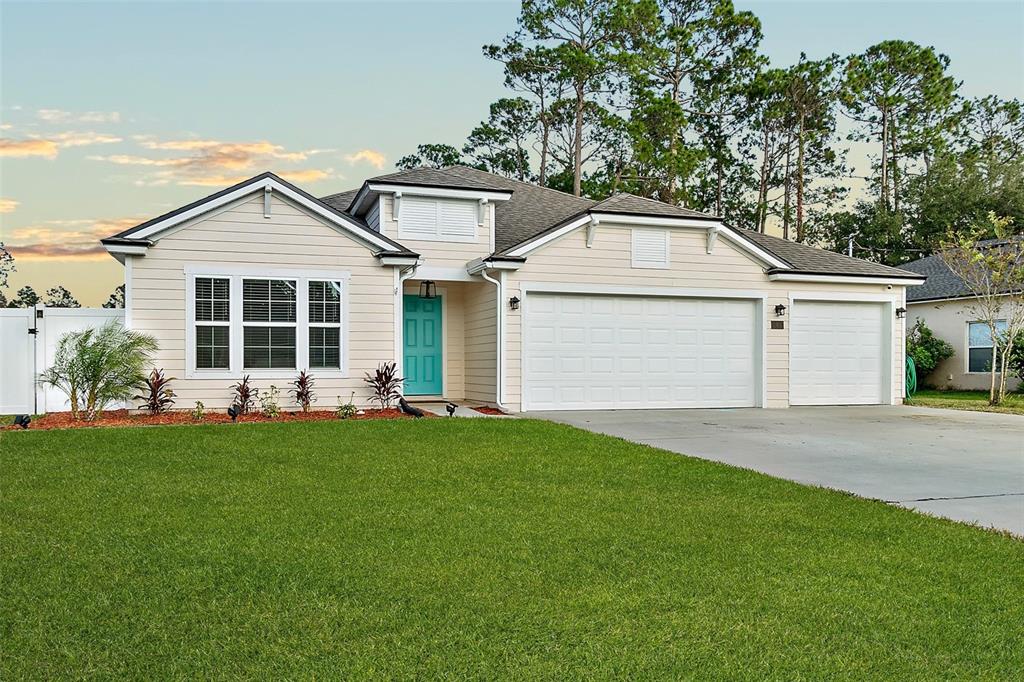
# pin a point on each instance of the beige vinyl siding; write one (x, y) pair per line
(608, 262)
(481, 342)
(438, 253)
(453, 334)
(290, 238)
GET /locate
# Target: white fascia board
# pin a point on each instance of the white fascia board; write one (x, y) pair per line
(477, 266)
(753, 249)
(357, 231)
(657, 221)
(842, 279)
(398, 260)
(529, 247)
(413, 190)
(119, 251)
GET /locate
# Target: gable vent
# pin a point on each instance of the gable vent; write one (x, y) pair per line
(650, 248)
(437, 219)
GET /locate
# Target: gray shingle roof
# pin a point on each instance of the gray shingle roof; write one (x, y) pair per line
(533, 211)
(941, 283)
(630, 204)
(810, 260)
(442, 177)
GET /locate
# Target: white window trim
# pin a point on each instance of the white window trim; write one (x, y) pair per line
(236, 274)
(438, 236)
(968, 346)
(664, 265)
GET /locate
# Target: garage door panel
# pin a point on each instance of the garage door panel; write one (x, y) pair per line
(639, 352)
(838, 354)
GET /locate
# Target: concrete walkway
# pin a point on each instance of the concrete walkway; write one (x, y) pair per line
(967, 466)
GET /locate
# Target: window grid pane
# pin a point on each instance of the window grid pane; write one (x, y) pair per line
(325, 347)
(212, 299)
(213, 348)
(268, 300)
(324, 302)
(269, 348)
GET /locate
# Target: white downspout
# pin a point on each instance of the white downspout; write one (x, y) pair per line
(403, 275)
(501, 336)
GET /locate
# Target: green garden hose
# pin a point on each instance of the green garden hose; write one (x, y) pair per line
(911, 377)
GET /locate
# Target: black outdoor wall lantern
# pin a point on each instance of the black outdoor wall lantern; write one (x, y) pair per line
(780, 310)
(427, 289)
(513, 303)
(901, 312)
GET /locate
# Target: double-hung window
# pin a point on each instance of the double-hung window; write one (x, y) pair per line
(212, 323)
(324, 324)
(979, 345)
(269, 323)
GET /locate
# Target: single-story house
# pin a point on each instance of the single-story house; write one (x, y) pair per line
(943, 302)
(487, 289)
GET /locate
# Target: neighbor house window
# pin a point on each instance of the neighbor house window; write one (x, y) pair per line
(269, 323)
(213, 322)
(324, 324)
(979, 345)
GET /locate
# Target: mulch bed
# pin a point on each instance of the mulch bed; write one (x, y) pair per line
(483, 409)
(63, 420)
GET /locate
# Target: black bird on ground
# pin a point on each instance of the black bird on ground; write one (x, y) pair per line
(405, 407)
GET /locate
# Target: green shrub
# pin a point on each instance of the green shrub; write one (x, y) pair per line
(95, 367)
(346, 410)
(927, 349)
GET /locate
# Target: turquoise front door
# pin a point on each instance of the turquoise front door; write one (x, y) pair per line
(423, 352)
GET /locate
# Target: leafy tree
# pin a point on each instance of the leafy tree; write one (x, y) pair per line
(677, 53)
(431, 156)
(59, 297)
(501, 143)
(3, 300)
(116, 299)
(899, 92)
(6, 265)
(577, 37)
(993, 271)
(25, 298)
(533, 72)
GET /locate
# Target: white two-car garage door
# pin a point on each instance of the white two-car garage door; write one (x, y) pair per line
(624, 352)
(837, 353)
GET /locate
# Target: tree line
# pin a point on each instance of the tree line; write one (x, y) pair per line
(672, 99)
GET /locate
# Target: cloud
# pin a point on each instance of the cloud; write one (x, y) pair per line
(370, 156)
(8, 205)
(26, 148)
(76, 139)
(65, 239)
(60, 116)
(213, 162)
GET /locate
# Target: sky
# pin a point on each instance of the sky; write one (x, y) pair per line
(112, 113)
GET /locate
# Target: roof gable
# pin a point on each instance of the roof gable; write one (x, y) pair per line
(150, 231)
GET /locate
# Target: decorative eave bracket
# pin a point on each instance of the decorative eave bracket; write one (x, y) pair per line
(712, 237)
(591, 231)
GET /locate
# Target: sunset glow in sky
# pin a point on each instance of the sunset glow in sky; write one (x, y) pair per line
(113, 113)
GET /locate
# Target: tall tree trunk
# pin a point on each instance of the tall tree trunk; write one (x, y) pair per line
(800, 183)
(719, 190)
(787, 190)
(762, 190)
(993, 398)
(895, 170)
(577, 144)
(542, 177)
(885, 158)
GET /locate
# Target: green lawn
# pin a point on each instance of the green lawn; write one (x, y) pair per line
(472, 548)
(968, 400)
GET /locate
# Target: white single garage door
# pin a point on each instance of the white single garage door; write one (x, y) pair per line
(838, 353)
(623, 352)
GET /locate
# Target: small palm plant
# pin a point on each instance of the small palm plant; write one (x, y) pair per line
(385, 383)
(245, 395)
(95, 367)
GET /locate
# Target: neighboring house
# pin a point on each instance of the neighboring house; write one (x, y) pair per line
(943, 302)
(542, 300)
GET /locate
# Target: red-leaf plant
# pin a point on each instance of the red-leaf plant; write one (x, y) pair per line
(158, 397)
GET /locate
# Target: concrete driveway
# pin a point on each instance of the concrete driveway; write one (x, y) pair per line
(967, 466)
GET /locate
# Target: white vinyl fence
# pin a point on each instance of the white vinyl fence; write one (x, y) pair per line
(28, 341)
